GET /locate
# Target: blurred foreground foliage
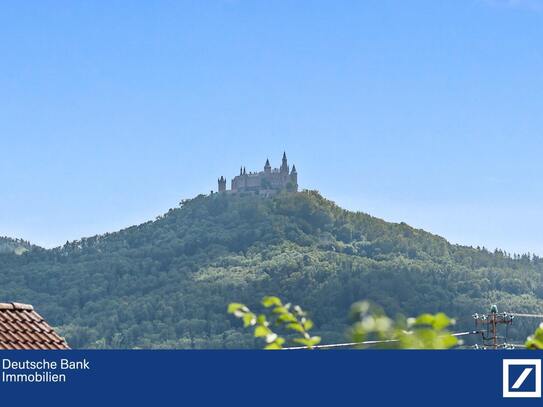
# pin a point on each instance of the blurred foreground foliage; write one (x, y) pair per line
(427, 331)
(535, 341)
(280, 315)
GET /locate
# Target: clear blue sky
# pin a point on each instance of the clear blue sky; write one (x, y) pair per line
(428, 112)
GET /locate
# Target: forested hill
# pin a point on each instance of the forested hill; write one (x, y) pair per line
(166, 283)
(16, 246)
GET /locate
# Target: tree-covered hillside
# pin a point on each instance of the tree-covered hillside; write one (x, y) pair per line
(16, 246)
(166, 283)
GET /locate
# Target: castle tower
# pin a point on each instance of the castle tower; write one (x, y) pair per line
(284, 164)
(294, 177)
(267, 167)
(222, 184)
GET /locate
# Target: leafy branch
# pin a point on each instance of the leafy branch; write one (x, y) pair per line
(291, 318)
(427, 331)
(535, 341)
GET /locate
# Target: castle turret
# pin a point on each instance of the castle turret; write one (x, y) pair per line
(222, 184)
(284, 164)
(267, 167)
(294, 177)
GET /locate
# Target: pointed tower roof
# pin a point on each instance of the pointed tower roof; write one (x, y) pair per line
(284, 165)
(267, 162)
(293, 168)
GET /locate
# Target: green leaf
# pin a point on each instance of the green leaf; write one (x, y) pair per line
(235, 306)
(249, 319)
(271, 301)
(441, 321)
(309, 342)
(280, 310)
(308, 324)
(288, 317)
(295, 326)
(273, 346)
(315, 340)
(261, 331)
(535, 341)
(532, 343)
(425, 319)
(448, 341)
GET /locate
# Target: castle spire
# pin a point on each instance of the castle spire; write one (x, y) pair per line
(284, 164)
(267, 166)
(294, 178)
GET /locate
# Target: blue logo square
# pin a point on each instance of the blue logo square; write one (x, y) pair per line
(529, 383)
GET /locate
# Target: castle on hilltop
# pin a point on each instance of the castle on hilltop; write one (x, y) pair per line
(265, 182)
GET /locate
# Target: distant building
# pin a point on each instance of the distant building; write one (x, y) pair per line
(23, 328)
(265, 182)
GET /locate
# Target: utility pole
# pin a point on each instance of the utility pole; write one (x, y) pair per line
(487, 325)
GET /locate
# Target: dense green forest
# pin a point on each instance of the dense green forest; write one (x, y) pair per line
(167, 283)
(17, 246)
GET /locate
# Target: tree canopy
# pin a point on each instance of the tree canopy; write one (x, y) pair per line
(166, 283)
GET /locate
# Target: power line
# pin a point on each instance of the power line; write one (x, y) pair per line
(342, 345)
(526, 315)
(352, 344)
(466, 333)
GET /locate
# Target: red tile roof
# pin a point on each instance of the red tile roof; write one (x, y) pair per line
(23, 328)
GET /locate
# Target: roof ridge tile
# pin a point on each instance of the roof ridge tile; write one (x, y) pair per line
(16, 305)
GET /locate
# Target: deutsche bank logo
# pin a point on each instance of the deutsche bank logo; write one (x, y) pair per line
(522, 378)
